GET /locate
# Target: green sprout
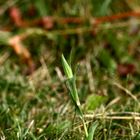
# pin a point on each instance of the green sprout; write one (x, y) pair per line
(71, 84)
(67, 68)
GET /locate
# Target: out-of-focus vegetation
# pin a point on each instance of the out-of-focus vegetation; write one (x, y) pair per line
(101, 41)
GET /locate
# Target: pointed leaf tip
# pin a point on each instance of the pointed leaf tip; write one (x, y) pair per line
(67, 68)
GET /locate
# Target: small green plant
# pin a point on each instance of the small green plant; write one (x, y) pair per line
(71, 84)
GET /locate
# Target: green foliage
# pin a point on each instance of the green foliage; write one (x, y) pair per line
(55, 130)
(73, 91)
(107, 61)
(137, 137)
(94, 101)
(67, 68)
(42, 7)
(92, 130)
(37, 106)
(4, 36)
(101, 7)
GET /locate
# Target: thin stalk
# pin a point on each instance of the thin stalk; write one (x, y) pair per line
(85, 127)
(74, 95)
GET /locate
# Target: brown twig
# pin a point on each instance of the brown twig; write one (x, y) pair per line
(48, 22)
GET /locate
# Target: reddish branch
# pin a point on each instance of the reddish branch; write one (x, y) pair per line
(116, 17)
(49, 23)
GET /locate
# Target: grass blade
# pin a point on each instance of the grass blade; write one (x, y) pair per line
(73, 91)
(92, 131)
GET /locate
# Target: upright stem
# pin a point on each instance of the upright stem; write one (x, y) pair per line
(77, 101)
(85, 127)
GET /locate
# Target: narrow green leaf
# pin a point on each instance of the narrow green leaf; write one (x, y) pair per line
(73, 91)
(94, 101)
(67, 68)
(92, 131)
